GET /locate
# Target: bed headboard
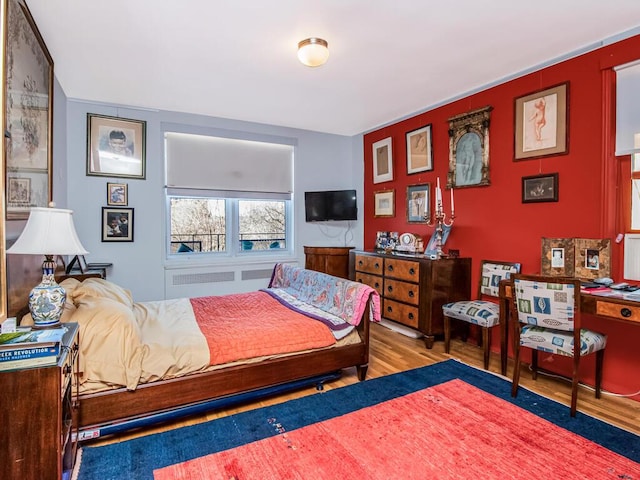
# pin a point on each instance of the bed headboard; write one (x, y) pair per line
(23, 273)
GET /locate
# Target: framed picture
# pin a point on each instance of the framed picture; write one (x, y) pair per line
(28, 113)
(431, 246)
(117, 224)
(558, 257)
(419, 151)
(382, 161)
(542, 123)
(592, 258)
(384, 203)
(540, 188)
(117, 194)
(469, 149)
(418, 203)
(116, 146)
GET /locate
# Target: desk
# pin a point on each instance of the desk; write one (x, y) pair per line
(610, 307)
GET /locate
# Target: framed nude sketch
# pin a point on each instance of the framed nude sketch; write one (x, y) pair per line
(419, 151)
(115, 146)
(541, 123)
(28, 113)
(382, 161)
(469, 149)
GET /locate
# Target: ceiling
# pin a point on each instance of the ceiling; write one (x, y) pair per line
(237, 59)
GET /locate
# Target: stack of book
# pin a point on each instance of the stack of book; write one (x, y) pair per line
(30, 348)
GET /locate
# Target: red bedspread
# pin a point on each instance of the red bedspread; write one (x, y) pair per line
(248, 325)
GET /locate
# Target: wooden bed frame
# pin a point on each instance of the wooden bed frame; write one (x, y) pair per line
(121, 406)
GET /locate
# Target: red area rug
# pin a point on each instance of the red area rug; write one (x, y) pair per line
(449, 431)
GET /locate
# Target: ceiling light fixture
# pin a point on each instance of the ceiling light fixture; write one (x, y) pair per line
(313, 51)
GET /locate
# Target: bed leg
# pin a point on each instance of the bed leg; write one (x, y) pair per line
(362, 371)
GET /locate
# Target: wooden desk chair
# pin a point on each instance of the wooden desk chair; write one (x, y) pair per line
(549, 320)
(482, 312)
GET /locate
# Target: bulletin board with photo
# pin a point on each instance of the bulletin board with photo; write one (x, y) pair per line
(593, 258)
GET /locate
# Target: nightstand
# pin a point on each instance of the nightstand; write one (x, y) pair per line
(38, 434)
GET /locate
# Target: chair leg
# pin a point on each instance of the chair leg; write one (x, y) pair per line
(486, 342)
(516, 366)
(599, 362)
(574, 383)
(447, 334)
(534, 364)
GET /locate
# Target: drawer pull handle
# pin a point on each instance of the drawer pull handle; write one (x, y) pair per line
(389, 289)
(390, 268)
(625, 312)
(389, 309)
(410, 316)
(411, 294)
(377, 285)
(412, 271)
(360, 263)
(377, 265)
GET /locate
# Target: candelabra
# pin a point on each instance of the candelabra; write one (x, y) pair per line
(440, 221)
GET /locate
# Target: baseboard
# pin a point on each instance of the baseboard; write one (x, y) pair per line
(396, 327)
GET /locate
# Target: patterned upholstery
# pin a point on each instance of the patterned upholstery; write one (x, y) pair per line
(481, 312)
(548, 314)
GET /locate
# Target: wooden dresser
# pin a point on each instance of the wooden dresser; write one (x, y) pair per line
(413, 288)
(37, 438)
(331, 260)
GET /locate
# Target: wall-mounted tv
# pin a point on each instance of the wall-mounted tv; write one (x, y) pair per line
(330, 205)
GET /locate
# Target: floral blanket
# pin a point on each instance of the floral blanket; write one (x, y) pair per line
(340, 298)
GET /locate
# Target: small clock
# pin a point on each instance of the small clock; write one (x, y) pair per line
(410, 242)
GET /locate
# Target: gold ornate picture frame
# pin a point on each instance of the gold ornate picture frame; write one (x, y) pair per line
(469, 149)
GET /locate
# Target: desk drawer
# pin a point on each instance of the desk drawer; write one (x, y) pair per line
(372, 280)
(401, 313)
(369, 264)
(403, 291)
(627, 313)
(402, 269)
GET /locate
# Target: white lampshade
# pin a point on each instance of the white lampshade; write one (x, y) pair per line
(49, 231)
(313, 52)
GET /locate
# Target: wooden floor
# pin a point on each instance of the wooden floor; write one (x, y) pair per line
(392, 352)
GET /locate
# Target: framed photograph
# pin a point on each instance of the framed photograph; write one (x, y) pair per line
(542, 123)
(431, 246)
(117, 194)
(117, 224)
(28, 112)
(418, 203)
(540, 188)
(558, 257)
(469, 149)
(384, 203)
(382, 161)
(592, 258)
(116, 146)
(419, 151)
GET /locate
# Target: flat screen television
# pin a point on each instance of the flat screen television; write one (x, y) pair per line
(330, 205)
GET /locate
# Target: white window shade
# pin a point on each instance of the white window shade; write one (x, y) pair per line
(216, 163)
(628, 109)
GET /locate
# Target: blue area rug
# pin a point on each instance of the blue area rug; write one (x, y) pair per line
(137, 458)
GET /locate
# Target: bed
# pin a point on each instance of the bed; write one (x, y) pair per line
(145, 362)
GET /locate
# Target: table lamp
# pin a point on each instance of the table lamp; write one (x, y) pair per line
(48, 232)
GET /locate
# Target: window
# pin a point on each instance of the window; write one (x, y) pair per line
(227, 196)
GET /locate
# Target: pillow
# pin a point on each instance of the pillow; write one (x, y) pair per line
(100, 288)
(69, 286)
(111, 349)
(184, 248)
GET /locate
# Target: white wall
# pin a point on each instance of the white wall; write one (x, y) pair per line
(323, 162)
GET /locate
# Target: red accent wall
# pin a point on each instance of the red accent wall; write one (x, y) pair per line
(493, 223)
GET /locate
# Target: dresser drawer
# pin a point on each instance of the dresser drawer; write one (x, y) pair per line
(403, 291)
(400, 312)
(620, 312)
(372, 280)
(402, 269)
(365, 263)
